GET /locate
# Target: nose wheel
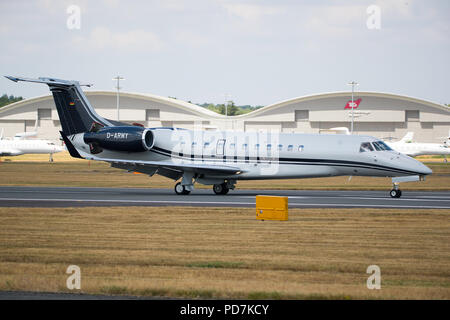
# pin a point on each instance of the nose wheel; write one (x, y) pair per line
(395, 192)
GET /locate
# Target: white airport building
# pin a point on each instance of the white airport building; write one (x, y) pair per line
(378, 114)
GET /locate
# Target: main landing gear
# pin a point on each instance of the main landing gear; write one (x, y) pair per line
(221, 188)
(187, 185)
(181, 189)
(395, 192)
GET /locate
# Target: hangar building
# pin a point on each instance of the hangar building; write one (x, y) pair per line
(378, 114)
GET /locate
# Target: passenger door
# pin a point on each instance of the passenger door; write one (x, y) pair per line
(220, 149)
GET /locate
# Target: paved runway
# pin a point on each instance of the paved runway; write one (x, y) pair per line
(83, 197)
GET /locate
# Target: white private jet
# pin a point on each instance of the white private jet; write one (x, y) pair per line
(220, 158)
(27, 134)
(20, 145)
(337, 130)
(16, 147)
(413, 149)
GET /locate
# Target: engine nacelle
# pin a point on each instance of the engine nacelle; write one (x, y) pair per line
(129, 139)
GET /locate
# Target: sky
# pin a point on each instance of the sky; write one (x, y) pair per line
(256, 52)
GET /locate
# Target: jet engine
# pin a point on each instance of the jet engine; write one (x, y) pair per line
(123, 138)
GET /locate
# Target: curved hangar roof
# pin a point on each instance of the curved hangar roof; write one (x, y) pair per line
(332, 97)
(107, 100)
(321, 110)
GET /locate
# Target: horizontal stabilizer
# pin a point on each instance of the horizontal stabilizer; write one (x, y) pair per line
(49, 81)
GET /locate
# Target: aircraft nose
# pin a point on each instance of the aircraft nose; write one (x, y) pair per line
(426, 170)
(414, 165)
(421, 168)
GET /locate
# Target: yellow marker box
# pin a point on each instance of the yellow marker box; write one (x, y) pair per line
(271, 208)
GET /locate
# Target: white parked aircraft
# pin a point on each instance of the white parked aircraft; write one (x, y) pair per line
(17, 147)
(20, 145)
(220, 158)
(413, 149)
(24, 135)
(337, 130)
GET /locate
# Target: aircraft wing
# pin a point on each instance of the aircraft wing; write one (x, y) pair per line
(144, 166)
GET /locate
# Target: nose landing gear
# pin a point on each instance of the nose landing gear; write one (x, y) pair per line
(395, 192)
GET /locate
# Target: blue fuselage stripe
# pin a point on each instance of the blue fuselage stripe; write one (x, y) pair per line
(284, 161)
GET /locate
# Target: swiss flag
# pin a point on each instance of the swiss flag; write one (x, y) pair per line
(355, 104)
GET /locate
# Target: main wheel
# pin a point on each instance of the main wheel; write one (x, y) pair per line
(221, 188)
(180, 189)
(395, 193)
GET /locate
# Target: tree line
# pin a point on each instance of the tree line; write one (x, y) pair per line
(5, 99)
(231, 108)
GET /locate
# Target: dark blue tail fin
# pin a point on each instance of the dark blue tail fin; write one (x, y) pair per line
(74, 110)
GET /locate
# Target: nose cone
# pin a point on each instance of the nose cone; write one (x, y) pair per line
(425, 170)
(445, 149)
(413, 165)
(420, 168)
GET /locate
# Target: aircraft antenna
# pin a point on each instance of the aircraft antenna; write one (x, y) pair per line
(118, 78)
(353, 84)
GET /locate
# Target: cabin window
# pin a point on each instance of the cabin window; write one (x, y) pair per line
(280, 147)
(244, 146)
(206, 145)
(269, 147)
(365, 147)
(257, 146)
(300, 148)
(290, 147)
(232, 146)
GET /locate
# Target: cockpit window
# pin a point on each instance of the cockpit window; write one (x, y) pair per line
(381, 146)
(385, 146)
(377, 146)
(365, 147)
